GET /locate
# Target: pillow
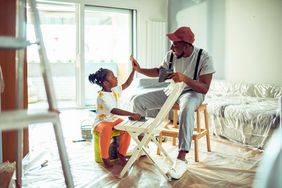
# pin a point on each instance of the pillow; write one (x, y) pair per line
(151, 83)
(230, 88)
(267, 90)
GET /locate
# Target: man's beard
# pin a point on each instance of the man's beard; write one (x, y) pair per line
(180, 56)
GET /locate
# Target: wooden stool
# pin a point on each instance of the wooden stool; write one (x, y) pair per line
(97, 146)
(171, 129)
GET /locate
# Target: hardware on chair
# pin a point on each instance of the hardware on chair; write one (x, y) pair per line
(171, 129)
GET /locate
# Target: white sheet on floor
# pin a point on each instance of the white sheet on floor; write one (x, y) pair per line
(228, 165)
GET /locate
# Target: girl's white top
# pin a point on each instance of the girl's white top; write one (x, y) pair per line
(106, 101)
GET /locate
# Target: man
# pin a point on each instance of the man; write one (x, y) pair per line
(182, 59)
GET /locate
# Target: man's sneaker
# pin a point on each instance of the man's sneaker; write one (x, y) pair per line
(179, 168)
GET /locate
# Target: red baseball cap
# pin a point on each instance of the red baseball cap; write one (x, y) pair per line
(182, 34)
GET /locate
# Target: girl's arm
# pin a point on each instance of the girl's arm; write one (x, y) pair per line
(153, 72)
(129, 80)
(121, 112)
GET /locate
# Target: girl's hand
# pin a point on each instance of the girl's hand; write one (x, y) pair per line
(135, 116)
(135, 64)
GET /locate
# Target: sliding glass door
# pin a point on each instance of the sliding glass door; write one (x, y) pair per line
(79, 40)
(108, 44)
(59, 33)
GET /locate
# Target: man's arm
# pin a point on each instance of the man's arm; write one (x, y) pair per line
(154, 72)
(128, 81)
(202, 85)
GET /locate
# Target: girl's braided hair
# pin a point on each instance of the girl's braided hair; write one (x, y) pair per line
(98, 77)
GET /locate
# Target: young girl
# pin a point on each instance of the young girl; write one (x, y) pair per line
(107, 111)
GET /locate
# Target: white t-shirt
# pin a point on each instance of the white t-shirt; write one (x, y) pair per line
(106, 101)
(187, 65)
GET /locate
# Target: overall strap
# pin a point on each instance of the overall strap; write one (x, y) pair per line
(170, 61)
(197, 64)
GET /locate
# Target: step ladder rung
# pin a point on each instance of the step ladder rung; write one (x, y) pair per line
(13, 43)
(10, 120)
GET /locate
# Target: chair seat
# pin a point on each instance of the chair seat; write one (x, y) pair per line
(137, 126)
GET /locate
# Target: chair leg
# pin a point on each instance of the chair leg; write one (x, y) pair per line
(164, 153)
(198, 121)
(207, 130)
(160, 142)
(196, 150)
(175, 118)
(135, 155)
(174, 141)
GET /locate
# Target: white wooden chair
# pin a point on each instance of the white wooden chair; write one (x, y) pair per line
(150, 128)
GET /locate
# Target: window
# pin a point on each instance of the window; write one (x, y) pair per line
(59, 34)
(108, 42)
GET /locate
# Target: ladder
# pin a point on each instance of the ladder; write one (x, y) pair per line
(19, 119)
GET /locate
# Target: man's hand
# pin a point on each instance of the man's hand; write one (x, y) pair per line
(135, 116)
(135, 64)
(177, 77)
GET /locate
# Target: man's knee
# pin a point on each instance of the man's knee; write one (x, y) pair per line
(106, 130)
(137, 101)
(188, 109)
(187, 114)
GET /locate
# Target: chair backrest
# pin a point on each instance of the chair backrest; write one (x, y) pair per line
(175, 91)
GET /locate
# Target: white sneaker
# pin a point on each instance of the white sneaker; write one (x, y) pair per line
(179, 168)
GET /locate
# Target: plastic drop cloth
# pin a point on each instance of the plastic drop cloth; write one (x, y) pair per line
(243, 112)
(7, 170)
(228, 165)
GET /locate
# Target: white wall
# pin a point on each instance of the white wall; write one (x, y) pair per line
(202, 17)
(155, 10)
(254, 41)
(243, 36)
(192, 15)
